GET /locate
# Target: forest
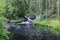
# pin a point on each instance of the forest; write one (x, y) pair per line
(29, 19)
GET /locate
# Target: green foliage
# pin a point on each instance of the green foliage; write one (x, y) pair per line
(2, 5)
(3, 32)
(5, 8)
(13, 21)
(54, 23)
(55, 30)
(19, 8)
(12, 9)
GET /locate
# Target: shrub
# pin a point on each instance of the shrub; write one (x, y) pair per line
(3, 32)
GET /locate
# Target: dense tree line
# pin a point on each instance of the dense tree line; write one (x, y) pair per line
(13, 9)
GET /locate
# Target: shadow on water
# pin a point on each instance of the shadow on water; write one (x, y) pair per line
(20, 31)
(34, 33)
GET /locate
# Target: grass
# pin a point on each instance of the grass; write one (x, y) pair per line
(3, 18)
(54, 23)
(13, 21)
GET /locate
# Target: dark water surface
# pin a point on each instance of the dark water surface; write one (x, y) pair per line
(34, 33)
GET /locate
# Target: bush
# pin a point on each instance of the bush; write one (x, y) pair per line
(3, 32)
